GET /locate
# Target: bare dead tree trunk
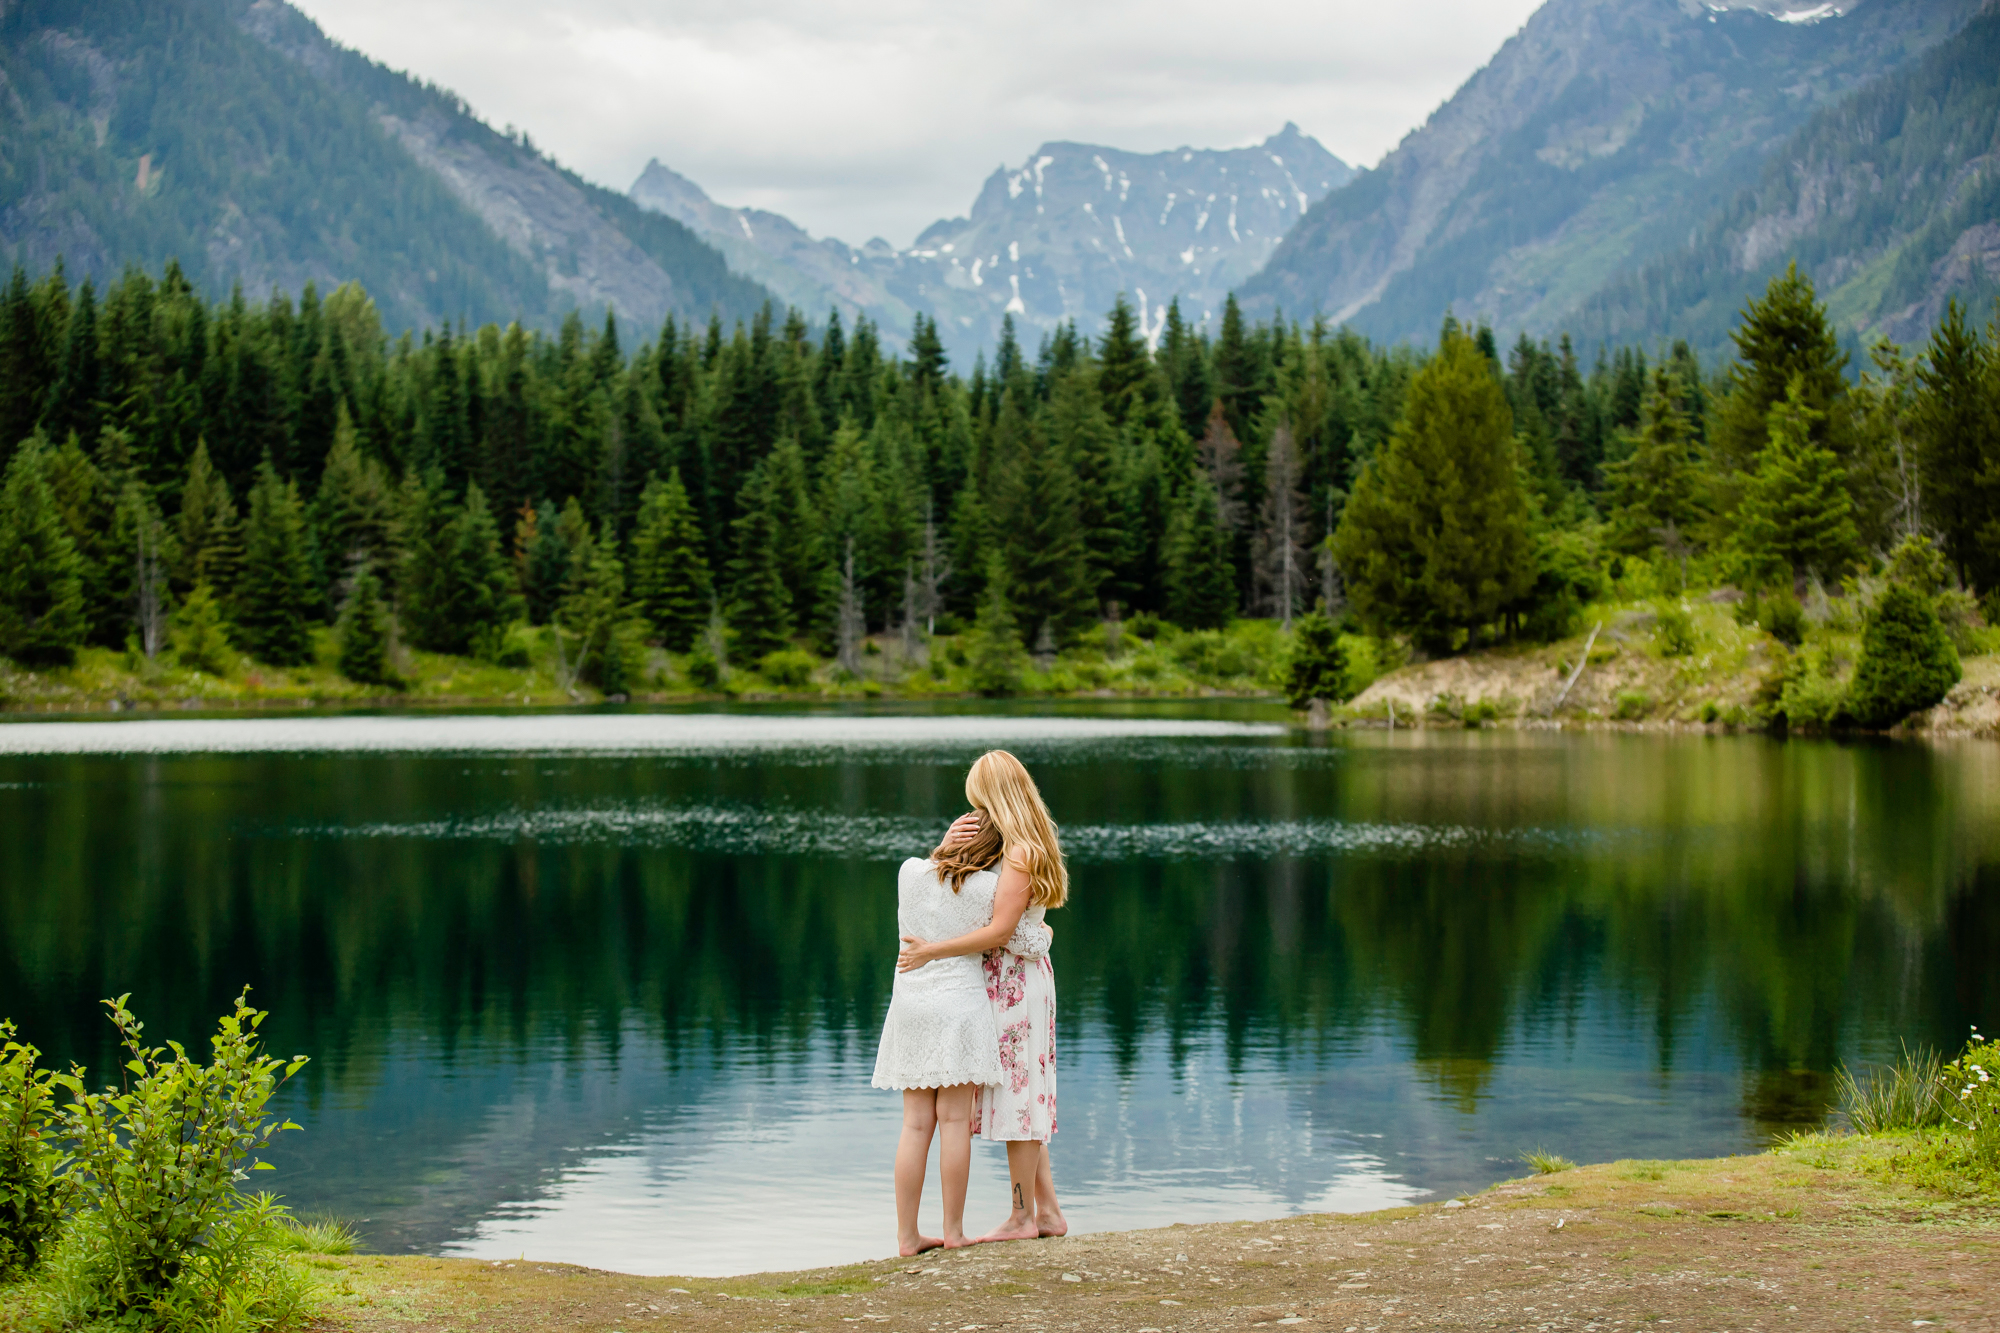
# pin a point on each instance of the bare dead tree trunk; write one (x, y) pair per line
(910, 602)
(852, 626)
(937, 568)
(1280, 561)
(1221, 456)
(152, 610)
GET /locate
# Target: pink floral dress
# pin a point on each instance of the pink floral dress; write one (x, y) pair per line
(1022, 989)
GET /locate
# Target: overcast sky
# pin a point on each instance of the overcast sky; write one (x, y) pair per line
(860, 118)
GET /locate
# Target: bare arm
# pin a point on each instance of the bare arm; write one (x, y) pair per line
(1009, 901)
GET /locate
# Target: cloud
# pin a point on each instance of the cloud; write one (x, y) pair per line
(859, 118)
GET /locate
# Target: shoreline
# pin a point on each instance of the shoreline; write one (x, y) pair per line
(1810, 1235)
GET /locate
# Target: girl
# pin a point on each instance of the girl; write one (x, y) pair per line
(1011, 824)
(939, 1045)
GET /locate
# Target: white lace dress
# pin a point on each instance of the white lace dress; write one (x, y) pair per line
(1022, 990)
(940, 1032)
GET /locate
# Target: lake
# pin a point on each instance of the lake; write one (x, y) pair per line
(606, 988)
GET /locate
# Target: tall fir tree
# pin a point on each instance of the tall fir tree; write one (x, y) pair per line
(1200, 577)
(363, 632)
(1795, 518)
(275, 594)
(456, 592)
(670, 578)
(1048, 567)
(1435, 539)
(1782, 336)
(1955, 425)
(760, 605)
(1655, 490)
(42, 614)
(210, 537)
(995, 657)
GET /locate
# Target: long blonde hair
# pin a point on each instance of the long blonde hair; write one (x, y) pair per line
(1016, 824)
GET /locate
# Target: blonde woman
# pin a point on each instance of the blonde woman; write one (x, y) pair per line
(939, 1045)
(1010, 824)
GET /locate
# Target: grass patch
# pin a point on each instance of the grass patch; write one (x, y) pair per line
(315, 1236)
(1907, 1093)
(1546, 1163)
(848, 1285)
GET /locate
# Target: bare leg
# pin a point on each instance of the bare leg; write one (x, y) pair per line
(1049, 1220)
(1023, 1157)
(913, 1154)
(954, 1113)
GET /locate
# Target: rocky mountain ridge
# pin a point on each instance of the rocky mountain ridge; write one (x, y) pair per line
(1598, 138)
(1057, 238)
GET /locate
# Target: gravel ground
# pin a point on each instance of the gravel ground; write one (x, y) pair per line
(1773, 1242)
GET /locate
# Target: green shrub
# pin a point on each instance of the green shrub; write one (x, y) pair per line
(163, 1236)
(703, 669)
(788, 668)
(29, 1207)
(1145, 626)
(1907, 664)
(200, 642)
(1632, 705)
(1317, 668)
(1480, 712)
(1812, 696)
(1673, 631)
(325, 1236)
(1783, 619)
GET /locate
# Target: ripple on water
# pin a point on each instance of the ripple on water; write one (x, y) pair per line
(762, 830)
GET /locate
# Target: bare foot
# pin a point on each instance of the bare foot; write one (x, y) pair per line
(1059, 1226)
(918, 1245)
(1012, 1230)
(958, 1242)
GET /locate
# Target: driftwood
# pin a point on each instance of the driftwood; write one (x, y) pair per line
(1581, 662)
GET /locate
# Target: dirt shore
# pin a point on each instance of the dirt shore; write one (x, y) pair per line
(1782, 1241)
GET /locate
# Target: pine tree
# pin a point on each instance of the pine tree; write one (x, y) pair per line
(1795, 517)
(1654, 489)
(352, 509)
(456, 592)
(1048, 570)
(1124, 367)
(1200, 579)
(670, 580)
(200, 635)
(593, 610)
(1782, 336)
(363, 631)
(993, 649)
(549, 554)
(88, 501)
(760, 606)
(276, 593)
(1317, 668)
(1907, 663)
(209, 538)
(1956, 425)
(1087, 441)
(42, 614)
(1435, 539)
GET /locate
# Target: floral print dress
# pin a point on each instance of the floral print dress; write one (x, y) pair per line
(1022, 989)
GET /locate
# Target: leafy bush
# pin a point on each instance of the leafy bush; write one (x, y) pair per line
(164, 1237)
(1145, 626)
(1632, 705)
(1812, 696)
(1783, 619)
(1673, 630)
(788, 668)
(29, 1208)
(1907, 664)
(703, 669)
(1480, 712)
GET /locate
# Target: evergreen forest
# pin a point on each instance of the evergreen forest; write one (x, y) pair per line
(768, 502)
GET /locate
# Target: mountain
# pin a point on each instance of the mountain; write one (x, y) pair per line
(232, 136)
(1055, 239)
(1890, 199)
(1601, 136)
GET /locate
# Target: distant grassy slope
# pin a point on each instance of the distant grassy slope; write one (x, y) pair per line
(1890, 199)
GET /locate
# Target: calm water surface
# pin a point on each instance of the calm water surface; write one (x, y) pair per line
(607, 989)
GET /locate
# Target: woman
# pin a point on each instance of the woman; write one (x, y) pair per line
(938, 1041)
(1011, 824)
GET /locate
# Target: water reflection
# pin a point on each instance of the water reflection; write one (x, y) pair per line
(619, 1007)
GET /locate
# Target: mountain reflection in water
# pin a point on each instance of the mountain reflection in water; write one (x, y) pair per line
(617, 1003)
